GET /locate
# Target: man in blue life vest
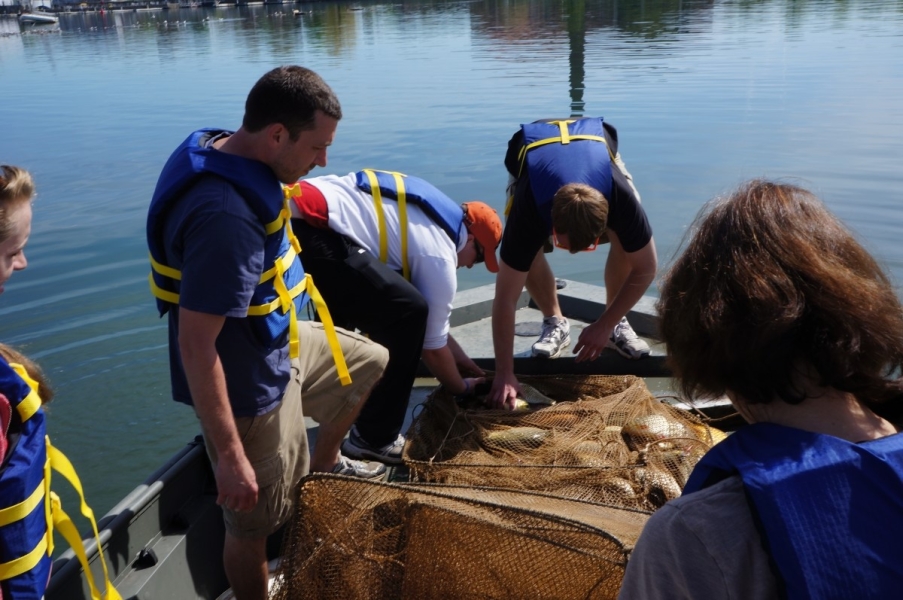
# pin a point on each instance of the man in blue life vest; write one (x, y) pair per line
(225, 270)
(568, 182)
(383, 248)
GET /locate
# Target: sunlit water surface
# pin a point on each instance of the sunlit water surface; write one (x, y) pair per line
(705, 94)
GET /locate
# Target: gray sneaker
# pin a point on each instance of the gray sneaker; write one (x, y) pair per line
(354, 445)
(555, 337)
(359, 468)
(626, 342)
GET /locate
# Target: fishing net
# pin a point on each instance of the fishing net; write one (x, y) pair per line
(543, 502)
(354, 539)
(604, 439)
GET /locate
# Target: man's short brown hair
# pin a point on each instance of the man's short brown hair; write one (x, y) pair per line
(291, 96)
(773, 291)
(581, 213)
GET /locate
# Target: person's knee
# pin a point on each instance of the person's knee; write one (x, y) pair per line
(378, 357)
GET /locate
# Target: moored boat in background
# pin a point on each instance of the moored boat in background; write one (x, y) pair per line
(37, 19)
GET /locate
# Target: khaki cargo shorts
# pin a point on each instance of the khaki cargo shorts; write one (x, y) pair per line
(276, 442)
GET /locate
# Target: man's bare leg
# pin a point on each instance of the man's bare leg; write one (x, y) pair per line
(541, 286)
(245, 561)
(327, 448)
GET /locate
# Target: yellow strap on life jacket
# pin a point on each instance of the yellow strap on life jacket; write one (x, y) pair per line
(32, 402)
(55, 516)
(26, 563)
(288, 191)
(285, 297)
(402, 199)
(563, 131)
(403, 224)
(19, 511)
(157, 291)
(281, 266)
(164, 270)
(329, 328)
(564, 137)
(306, 285)
(44, 547)
(61, 521)
(380, 215)
(508, 204)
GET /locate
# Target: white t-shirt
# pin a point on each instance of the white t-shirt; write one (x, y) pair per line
(432, 255)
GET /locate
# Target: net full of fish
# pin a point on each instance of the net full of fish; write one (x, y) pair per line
(604, 439)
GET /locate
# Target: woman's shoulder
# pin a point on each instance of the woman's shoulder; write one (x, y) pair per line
(698, 512)
(701, 545)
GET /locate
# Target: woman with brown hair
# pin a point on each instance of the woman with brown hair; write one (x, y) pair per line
(776, 305)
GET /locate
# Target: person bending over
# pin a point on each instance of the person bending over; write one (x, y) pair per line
(391, 274)
(568, 182)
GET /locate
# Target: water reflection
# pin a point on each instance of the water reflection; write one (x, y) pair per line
(577, 38)
(703, 93)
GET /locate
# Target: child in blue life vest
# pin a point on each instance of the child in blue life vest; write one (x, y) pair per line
(29, 511)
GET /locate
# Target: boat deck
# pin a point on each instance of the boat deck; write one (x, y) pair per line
(158, 538)
(472, 326)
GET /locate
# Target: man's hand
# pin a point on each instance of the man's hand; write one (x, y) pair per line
(592, 341)
(471, 384)
(505, 389)
(236, 483)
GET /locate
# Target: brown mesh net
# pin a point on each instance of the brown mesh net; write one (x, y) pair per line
(606, 439)
(543, 502)
(354, 539)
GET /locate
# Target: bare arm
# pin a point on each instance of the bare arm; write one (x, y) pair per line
(508, 285)
(641, 266)
(443, 365)
(464, 362)
(235, 478)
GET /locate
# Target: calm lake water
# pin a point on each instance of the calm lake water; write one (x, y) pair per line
(705, 94)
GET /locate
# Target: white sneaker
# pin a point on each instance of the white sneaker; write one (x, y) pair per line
(359, 468)
(555, 337)
(626, 342)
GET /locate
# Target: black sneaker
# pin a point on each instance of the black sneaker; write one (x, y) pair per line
(355, 446)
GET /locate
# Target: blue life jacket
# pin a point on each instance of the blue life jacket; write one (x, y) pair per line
(831, 510)
(557, 153)
(284, 289)
(29, 511)
(281, 293)
(25, 536)
(441, 209)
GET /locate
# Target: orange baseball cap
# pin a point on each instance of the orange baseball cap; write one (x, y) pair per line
(483, 222)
